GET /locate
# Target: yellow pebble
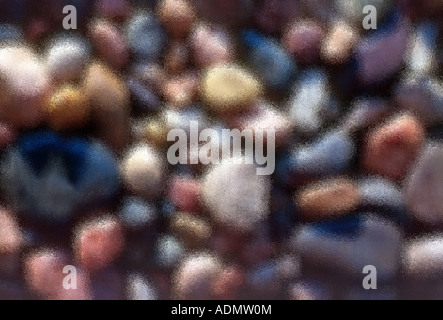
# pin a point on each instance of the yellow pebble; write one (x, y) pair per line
(67, 108)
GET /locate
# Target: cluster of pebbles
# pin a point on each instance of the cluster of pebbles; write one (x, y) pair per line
(84, 118)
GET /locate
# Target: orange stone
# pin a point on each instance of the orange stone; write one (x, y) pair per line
(391, 149)
(328, 198)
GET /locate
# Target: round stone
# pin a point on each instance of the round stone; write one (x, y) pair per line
(228, 88)
(136, 213)
(192, 230)
(139, 288)
(184, 193)
(98, 243)
(328, 198)
(66, 57)
(143, 171)
(303, 40)
(236, 195)
(109, 42)
(67, 108)
(339, 43)
(424, 187)
(194, 277)
(391, 148)
(177, 16)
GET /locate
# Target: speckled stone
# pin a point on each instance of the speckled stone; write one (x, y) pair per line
(109, 99)
(177, 16)
(97, 243)
(237, 182)
(211, 45)
(303, 40)
(195, 275)
(192, 230)
(136, 213)
(228, 88)
(24, 84)
(66, 57)
(328, 198)
(391, 148)
(109, 41)
(339, 43)
(424, 187)
(143, 171)
(67, 108)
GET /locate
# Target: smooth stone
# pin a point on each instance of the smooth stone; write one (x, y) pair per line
(137, 213)
(110, 101)
(145, 36)
(228, 88)
(382, 54)
(184, 193)
(143, 170)
(339, 43)
(211, 45)
(139, 288)
(151, 130)
(194, 276)
(245, 197)
(11, 236)
(269, 60)
(169, 251)
(67, 108)
(422, 95)
(192, 230)
(303, 40)
(146, 98)
(328, 198)
(424, 186)
(309, 99)
(376, 242)
(181, 119)
(423, 257)
(24, 83)
(48, 177)
(391, 149)
(330, 154)
(177, 16)
(110, 43)
(66, 57)
(97, 243)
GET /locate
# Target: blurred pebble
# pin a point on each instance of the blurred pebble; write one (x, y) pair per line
(309, 99)
(169, 251)
(11, 237)
(269, 60)
(7, 135)
(113, 9)
(365, 112)
(423, 256)
(97, 243)
(184, 193)
(228, 283)
(177, 16)
(305, 291)
(66, 57)
(152, 131)
(211, 45)
(349, 246)
(109, 43)
(328, 198)
(421, 55)
(424, 186)
(391, 148)
(139, 288)
(67, 108)
(145, 36)
(109, 99)
(339, 43)
(146, 99)
(238, 182)
(303, 40)
(143, 171)
(193, 279)
(227, 88)
(381, 55)
(192, 230)
(176, 57)
(330, 154)
(24, 84)
(137, 213)
(10, 32)
(181, 90)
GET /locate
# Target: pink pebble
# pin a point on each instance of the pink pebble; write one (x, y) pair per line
(109, 43)
(11, 237)
(184, 194)
(98, 243)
